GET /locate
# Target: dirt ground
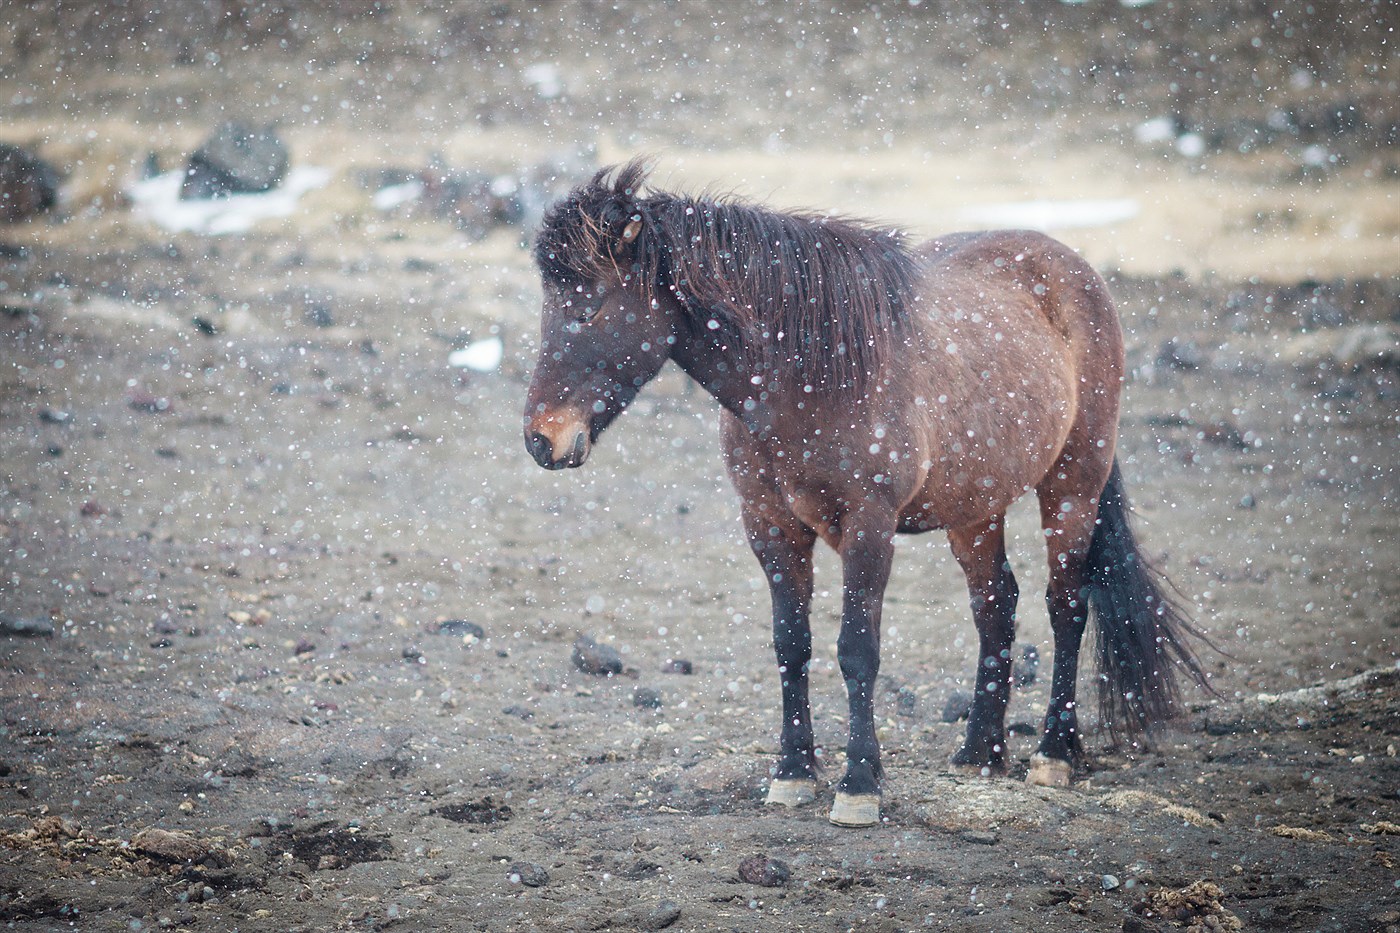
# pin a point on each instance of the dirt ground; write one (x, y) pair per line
(287, 612)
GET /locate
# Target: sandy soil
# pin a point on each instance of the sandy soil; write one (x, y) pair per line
(312, 607)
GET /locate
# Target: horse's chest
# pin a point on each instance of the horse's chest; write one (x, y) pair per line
(823, 494)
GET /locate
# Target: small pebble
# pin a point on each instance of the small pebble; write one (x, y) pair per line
(1110, 882)
(461, 628)
(1178, 353)
(145, 401)
(764, 871)
(26, 627)
(593, 658)
(677, 666)
(646, 698)
(528, 874)
(959, 706)
(1025, 667)
(303, 646)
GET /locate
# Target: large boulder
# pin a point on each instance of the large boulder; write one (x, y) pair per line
(28, 185)
(235, 159)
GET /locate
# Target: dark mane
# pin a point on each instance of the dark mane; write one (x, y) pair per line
(809, 296)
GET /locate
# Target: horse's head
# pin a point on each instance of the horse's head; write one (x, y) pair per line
(603, 333)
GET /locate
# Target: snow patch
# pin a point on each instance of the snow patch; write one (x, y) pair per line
(481, 356)
(1053, 215)
(158, 200)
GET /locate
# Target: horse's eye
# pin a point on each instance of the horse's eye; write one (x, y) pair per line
(588, 313)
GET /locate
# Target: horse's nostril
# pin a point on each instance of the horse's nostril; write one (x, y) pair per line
(539, 447)
(580, 441)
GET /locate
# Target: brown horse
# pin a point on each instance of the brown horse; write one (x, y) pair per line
(869, 389)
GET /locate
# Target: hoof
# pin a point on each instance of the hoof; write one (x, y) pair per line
(855, 809)
(791, 792)
(1048, 772)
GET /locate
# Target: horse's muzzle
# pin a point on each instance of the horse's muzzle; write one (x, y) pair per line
(557, 445)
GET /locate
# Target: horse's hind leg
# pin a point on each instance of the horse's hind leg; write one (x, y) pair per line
(981, 551)
(783, 546)
(1068, 509)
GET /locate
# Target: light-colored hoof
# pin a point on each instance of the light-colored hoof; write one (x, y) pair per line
(855, 809)
(1048, 772)
(791, 792)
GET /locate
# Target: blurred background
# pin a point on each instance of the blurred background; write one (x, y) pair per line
(278, 577)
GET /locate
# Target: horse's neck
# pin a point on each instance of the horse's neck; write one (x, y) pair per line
(714, 361)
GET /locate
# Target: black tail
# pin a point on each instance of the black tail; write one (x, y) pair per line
(1142, 631)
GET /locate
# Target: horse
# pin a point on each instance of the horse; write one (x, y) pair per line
(869, 388)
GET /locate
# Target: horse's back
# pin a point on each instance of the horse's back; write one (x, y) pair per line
(1026, 265)
(1023, 349)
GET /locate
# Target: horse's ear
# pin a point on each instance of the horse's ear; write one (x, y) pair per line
(632, 230)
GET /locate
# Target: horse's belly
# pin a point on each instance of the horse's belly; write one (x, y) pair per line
(986, 461)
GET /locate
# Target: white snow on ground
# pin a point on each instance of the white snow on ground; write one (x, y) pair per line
(157, 200)
(482, 356)
(392, 196)
(1052, 215)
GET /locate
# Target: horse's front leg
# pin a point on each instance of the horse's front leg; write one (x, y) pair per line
(783, 547)
(867, 549)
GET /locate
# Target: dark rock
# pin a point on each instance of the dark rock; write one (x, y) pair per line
(235, 159)
(764, 871)
(140, 400)
(1178, 353)
(906, 701)
(25, 627)
(173, 846)
(959, 706)
(593, 658)
(646, 698)
(55, 416)
(1134, 924)
(678, 666)
(413, 653)
(662, 916)
(1025, 667)
(1050, 897)
(1225, 434)
(28, 185)
(327, 845)
(659, 917)
(528, 874)
(641, 870)
(460, 628)
(304, 645)
(483, 812)
(319, 314)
